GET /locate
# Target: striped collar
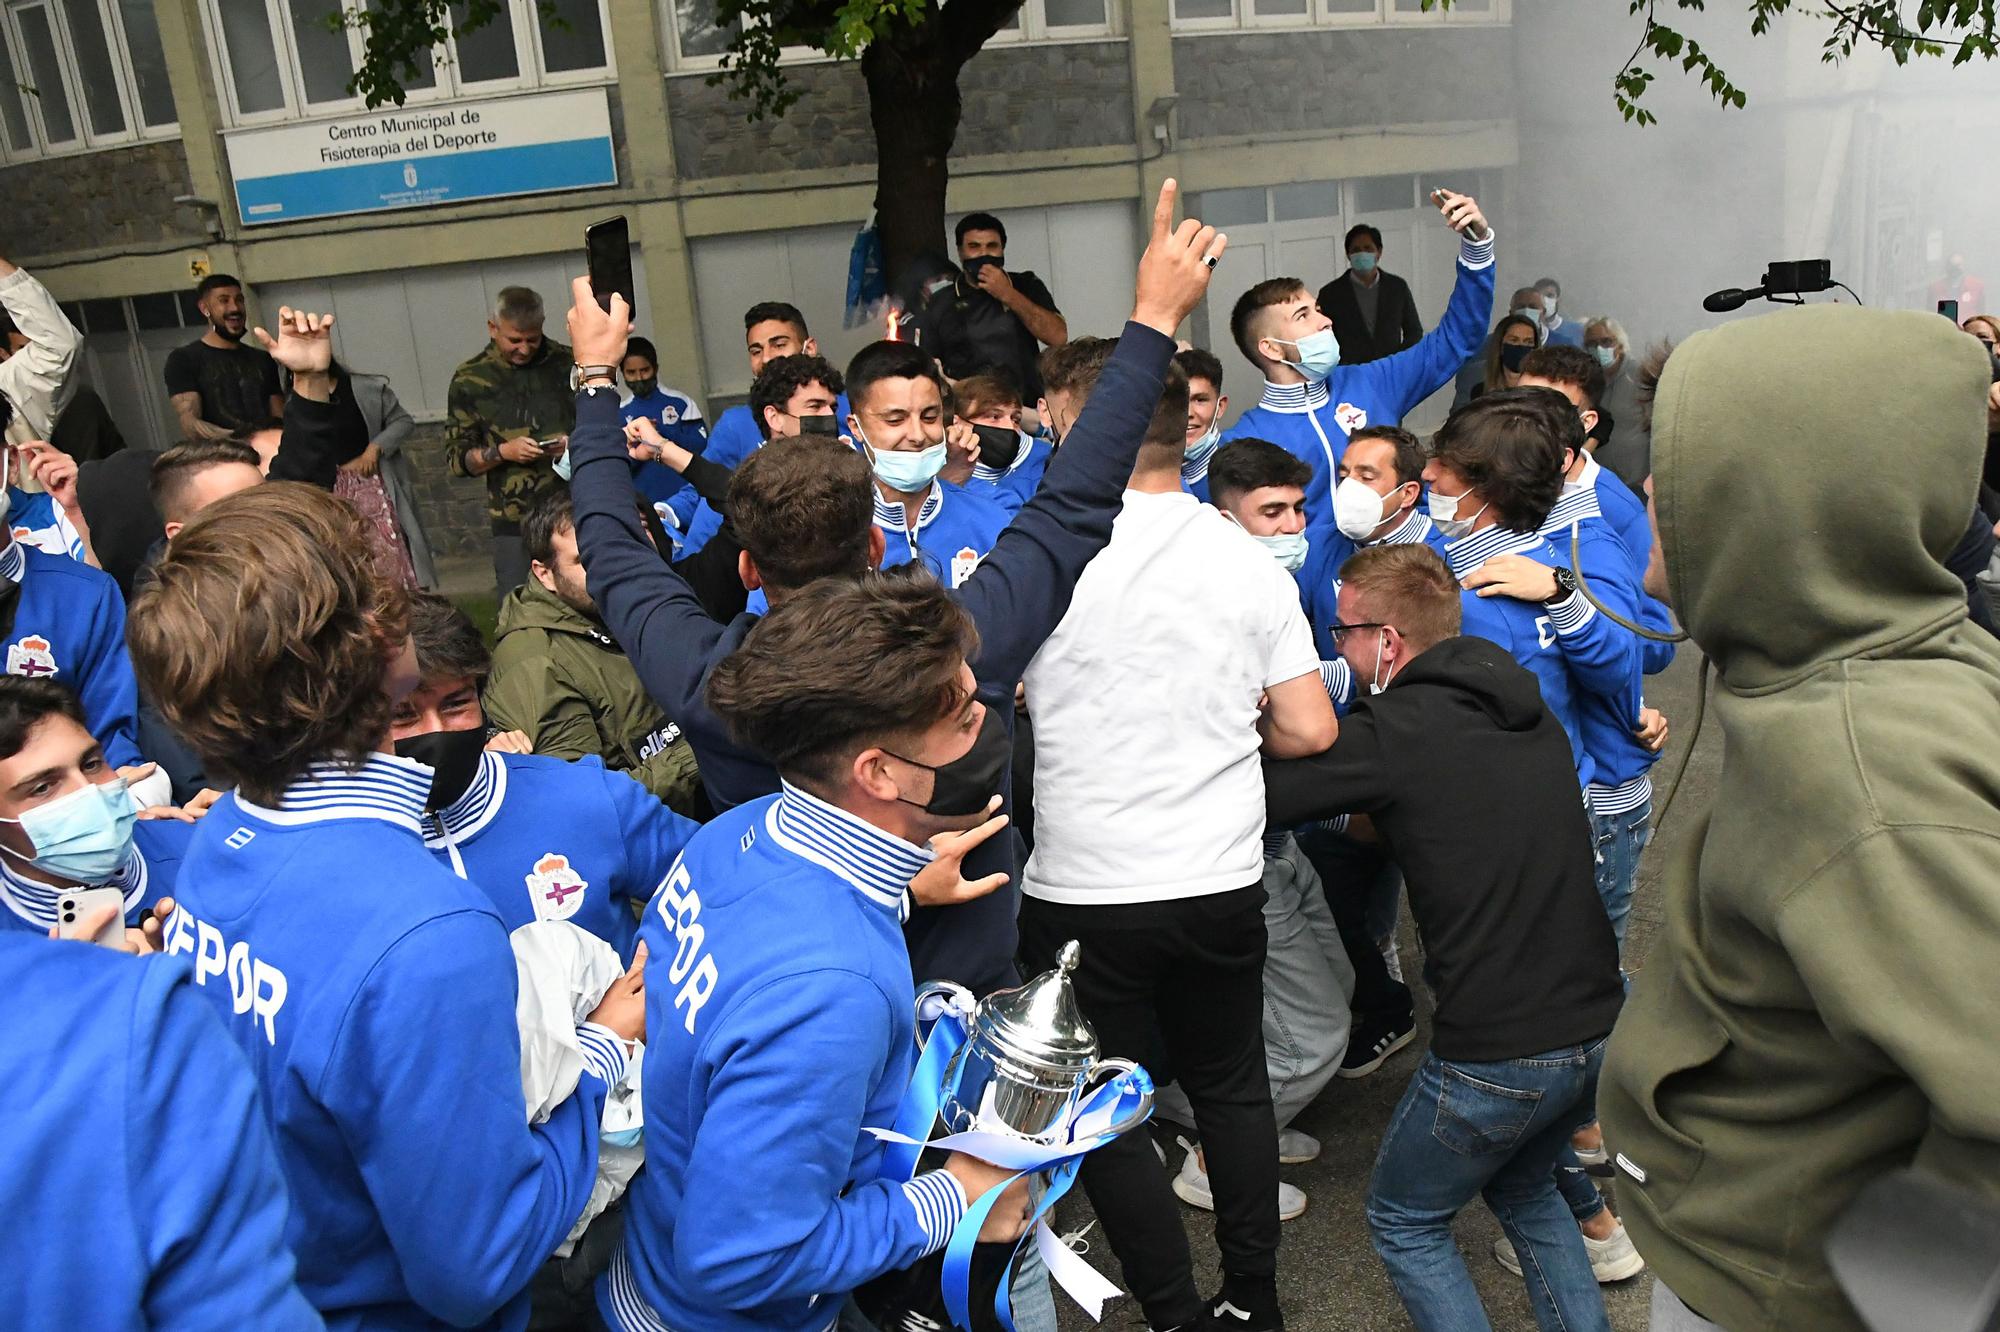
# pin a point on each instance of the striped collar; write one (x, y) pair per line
(1295, 398)
(982, 472)
(381, 786)
(467, 816)
(1194, 462)
(891, 513)
(1468, 553)
(1413, 530)
(35, 901)
(1578, 502)
(13, 564)
(878, 864)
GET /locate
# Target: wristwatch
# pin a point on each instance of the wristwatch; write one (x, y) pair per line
(1565, 584)
(580, 374)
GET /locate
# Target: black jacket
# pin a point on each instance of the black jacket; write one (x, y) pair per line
(1470, 782)
(1396, 324)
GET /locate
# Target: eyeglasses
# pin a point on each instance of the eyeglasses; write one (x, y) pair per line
(1337, 628)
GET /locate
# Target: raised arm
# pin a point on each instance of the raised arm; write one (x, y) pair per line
(39, 379)
(310, 449)
(1020, 592)
(1413, 375)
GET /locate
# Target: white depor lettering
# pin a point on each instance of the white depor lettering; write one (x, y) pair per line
(255, 986)
(680, 909)
(1545, 631)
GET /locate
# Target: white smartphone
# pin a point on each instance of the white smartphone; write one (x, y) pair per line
(74, 906)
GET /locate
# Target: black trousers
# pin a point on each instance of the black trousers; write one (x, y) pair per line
(1346, 869)
(1189, 972)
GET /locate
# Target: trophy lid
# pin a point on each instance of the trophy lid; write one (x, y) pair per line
(1039, 1022)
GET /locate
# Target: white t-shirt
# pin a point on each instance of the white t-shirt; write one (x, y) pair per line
(1147, 781)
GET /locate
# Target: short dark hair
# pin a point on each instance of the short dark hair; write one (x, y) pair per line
(1201, 363)
(1549, 282)
(1410, 587)
(263, 425)
(782, 376)
(1508, 445)
(1269, 292)
(889, 360)
(27, 703)
(175, 469)
(763, 312)
(1075, 366)
(214, 281)
(1561, 364)
(977, 393)
(1166, 434)
(552, 512)
(1359, 230)
(978, 222)
(638, 346)
(447, 642)
(1410, 452)
(802, 508)
(1244, 465)
(843, 665)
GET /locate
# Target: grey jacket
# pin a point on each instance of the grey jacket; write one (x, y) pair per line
(388, 426)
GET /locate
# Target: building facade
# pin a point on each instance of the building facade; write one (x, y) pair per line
(147, 142)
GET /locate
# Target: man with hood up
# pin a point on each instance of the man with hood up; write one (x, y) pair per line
(1819, 1009)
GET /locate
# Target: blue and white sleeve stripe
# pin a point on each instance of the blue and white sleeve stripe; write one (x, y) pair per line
(1571, 613)
(1476, 253)
(940, 1204)
(1338, 677)
(603, 1051)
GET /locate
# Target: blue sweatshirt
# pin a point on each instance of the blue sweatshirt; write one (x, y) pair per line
(142, 1189)
(374, 993)
(1535, 635)
(1328, 548)
(1626, 514)
(148, 874)
(69, 626)
(1015, 486)
(1017, 597)
(678, 418)
(1313, 421)
(734, 438)
(553, 840)
(780, 1023)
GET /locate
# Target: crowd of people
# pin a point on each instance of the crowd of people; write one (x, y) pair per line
(561, 981)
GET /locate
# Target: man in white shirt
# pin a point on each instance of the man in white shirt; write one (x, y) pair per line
(38, 349)
(1183, 653)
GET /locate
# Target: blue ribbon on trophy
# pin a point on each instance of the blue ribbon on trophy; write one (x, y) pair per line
(1017, 1082)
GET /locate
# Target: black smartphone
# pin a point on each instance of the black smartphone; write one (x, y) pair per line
(819, 425)
(608, 247)
(1949, 309)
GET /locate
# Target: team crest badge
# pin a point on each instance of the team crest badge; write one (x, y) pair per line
(1351, 418)
(962, 565)
(557, 889)
(32, 657)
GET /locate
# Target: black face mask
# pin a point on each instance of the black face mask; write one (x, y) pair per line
(1514, 357)
(965, 785)
(998, 446)
(977, 262)
(641, 387)
(454, 758)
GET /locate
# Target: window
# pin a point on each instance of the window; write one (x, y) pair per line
(697, 43)
(1225, 15)
(81, 74)
(285, 58)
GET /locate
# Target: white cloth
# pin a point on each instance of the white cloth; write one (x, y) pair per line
(564, 972)
(39, 380)
(1147, 781)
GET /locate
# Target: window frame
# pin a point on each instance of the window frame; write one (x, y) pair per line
(1244, 18)
(124, 75)
(1034, 30)
(530, 62)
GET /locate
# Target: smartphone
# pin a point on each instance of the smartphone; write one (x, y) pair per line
(1949, 309)
(549, 445)
(819, 425)
(1437, 197)
(77, 903)
(608, 247)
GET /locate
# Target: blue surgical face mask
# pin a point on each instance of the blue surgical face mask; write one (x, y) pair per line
(1549, 303)
(1527, 312)
(1287, 548)
(903, 470)
(1318, 354)
(1204, 443)
(84, 836)
(1605, 355)
(1362, 261)
(563, 467)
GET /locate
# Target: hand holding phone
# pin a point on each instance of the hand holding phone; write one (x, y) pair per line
(607, 246)
(95, 915)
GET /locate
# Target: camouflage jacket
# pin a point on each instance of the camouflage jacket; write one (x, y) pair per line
(491, 401)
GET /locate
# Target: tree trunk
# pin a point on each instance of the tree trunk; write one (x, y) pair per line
(913, 103)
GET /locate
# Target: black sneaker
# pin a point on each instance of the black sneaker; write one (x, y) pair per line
(1373, 1040)
(1244, 1306)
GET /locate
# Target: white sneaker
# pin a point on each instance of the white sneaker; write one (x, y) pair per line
(1191, 1187)
(1296, 1148)
(1611, 1259)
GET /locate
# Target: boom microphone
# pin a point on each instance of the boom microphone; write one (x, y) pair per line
(1731, 298)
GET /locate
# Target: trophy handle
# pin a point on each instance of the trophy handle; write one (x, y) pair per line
(935, 999)
(1111, 1068)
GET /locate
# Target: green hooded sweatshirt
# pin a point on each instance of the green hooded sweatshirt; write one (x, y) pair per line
(558, 676)
(1823, 1004)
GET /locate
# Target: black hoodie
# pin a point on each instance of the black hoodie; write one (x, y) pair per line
(1470, 782)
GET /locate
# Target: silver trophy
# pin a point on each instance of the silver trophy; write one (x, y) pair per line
(1028, 1059)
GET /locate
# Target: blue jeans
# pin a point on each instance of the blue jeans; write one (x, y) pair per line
(1492, 1130)
(1620, 838)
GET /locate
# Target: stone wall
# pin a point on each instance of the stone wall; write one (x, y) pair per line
(453, 507)
(118, 197)
(1239, 84)
(1016, 99)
